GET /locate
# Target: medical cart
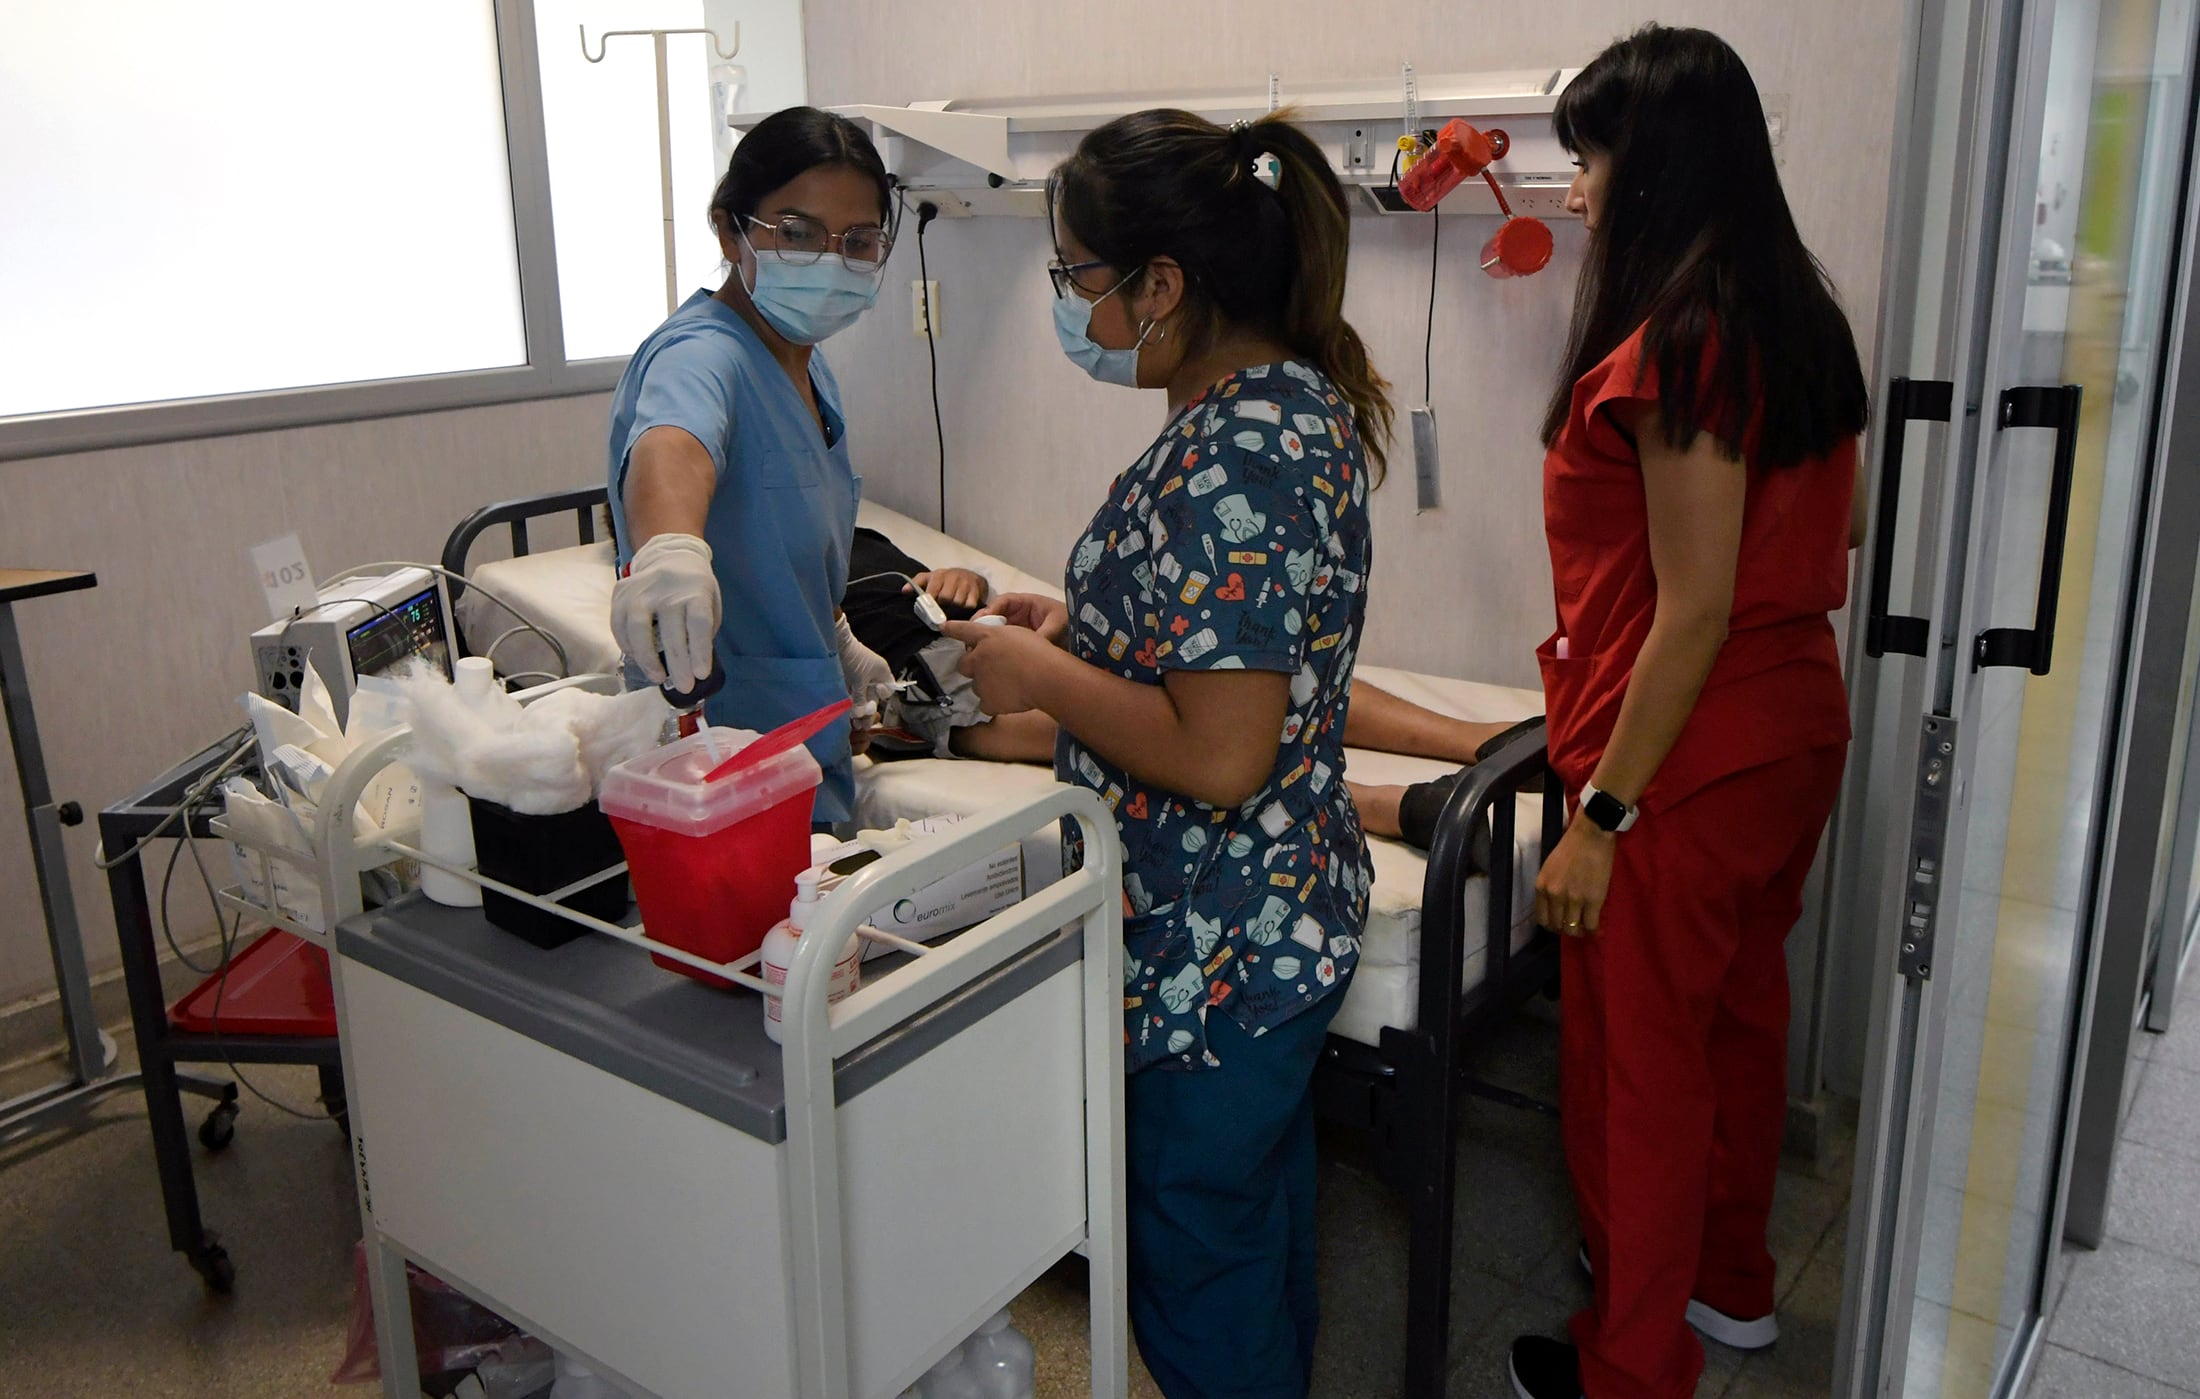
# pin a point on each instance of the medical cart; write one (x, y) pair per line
(163, 1044)
(616, 1159)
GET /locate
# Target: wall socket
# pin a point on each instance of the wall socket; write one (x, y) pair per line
(924, 308)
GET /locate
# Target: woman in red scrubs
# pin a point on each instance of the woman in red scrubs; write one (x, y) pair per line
(1698, 497)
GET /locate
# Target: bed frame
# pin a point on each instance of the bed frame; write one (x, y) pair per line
(1406, 1093)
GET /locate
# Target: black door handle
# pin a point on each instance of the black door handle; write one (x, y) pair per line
(2033, 648)
(1908, 400)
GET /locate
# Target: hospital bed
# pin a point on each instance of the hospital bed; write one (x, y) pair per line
(1450, 947)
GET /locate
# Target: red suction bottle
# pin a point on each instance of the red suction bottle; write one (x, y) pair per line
(1460, 154)
(1522, 246)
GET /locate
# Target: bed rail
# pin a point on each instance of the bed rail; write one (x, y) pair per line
(1408, 1091)
(517, 514)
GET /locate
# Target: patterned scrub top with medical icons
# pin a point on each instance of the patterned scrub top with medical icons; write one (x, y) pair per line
(1239, 542)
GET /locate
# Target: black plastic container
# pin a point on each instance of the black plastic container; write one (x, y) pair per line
(542, 854)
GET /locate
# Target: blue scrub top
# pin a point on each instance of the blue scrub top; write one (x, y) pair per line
(780, 522)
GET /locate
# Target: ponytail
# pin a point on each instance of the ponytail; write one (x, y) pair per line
(1314, 323)
(1166, 183)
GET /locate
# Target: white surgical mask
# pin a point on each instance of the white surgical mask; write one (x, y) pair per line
(1073, 327)
(810, 301)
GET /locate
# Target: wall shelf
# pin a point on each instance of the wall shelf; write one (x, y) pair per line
(991, 157)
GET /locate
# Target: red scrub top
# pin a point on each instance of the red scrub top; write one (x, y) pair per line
(1776, 688)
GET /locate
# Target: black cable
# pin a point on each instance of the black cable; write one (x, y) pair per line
(1428, 346)
(926, 212)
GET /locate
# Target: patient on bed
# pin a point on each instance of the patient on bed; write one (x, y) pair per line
(940, 717)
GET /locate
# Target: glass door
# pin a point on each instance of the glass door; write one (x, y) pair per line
(1976, 802)
(2176, 902)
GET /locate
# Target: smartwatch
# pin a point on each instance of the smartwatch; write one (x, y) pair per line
(1609, 813)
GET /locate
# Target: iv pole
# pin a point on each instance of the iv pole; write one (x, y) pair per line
(664, 126)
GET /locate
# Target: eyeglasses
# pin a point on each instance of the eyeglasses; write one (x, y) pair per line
(803, 240)
(1064, 275)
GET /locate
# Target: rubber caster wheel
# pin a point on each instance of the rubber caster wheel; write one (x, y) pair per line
(213, 1265)
(220, 1127)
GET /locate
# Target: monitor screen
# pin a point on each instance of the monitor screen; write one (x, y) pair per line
(413, 628)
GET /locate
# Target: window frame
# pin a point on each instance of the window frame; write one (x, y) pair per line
(546, 374)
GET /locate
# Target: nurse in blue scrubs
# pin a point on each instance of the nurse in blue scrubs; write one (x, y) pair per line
(731, 492)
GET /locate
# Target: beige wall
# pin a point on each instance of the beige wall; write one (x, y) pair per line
(1031, 442)
(147, 668)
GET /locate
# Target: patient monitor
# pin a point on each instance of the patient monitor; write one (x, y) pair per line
(360, 626)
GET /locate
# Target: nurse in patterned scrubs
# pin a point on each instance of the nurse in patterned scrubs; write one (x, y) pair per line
(1200, 673)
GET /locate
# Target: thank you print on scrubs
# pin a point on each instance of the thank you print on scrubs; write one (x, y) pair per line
(1238, 542)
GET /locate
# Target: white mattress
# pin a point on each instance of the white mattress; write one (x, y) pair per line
(568, 592)
(1386, 989)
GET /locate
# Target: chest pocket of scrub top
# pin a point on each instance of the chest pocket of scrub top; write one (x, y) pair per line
(1588, 509)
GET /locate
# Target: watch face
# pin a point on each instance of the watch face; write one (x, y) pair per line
(1605, 809)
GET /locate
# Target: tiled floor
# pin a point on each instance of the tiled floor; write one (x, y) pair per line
(93, 1303)
(2128, 1324)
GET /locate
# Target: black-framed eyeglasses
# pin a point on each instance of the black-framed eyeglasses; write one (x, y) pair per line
(803, 240)
(1064, 275)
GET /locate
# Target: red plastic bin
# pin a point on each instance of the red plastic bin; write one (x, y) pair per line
(278, 985)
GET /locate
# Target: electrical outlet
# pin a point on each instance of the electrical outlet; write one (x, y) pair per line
(1538, 198)
(1776, 125)
(924, 308)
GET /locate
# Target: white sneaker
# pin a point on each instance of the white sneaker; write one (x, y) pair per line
(1757, 1333)
(1713, 1324)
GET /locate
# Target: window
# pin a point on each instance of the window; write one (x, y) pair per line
(600, 129)
(261, 213)
(260, 194)
(606, 187)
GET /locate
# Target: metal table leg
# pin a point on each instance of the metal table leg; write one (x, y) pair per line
(91, 1054)
(187, 1232)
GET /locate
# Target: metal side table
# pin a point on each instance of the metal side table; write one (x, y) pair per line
(91, 1053)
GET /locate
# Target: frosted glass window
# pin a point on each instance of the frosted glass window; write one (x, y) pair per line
(606, 189)
(258, 194)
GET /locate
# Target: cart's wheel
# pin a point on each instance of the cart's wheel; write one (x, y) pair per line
(220, 1127)
(212, 1262)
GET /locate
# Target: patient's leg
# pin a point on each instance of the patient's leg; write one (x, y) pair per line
(1382, 721)
(1007, 738)
(1378, 808)
(1405, 813)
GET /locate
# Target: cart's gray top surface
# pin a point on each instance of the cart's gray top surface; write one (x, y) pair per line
(605, 1003)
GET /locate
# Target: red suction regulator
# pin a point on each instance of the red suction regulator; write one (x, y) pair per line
(1522, 246)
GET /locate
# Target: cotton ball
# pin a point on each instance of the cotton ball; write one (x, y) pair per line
(609, 728)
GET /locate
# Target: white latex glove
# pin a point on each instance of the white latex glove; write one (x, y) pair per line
(865, 670)
(665, 611)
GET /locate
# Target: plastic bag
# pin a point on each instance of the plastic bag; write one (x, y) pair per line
(452, 1333)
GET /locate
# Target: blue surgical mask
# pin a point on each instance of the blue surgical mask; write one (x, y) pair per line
(1073, 327)
(811, 301)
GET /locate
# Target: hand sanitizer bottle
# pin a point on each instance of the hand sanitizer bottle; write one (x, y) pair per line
(779, 946)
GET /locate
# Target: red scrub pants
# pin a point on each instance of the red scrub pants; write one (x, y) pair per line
(1673, 1062)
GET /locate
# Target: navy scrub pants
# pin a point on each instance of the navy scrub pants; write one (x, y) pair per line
(1220, 1178)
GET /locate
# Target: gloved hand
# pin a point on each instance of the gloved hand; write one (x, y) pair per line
(868, 676)
(665, 610)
